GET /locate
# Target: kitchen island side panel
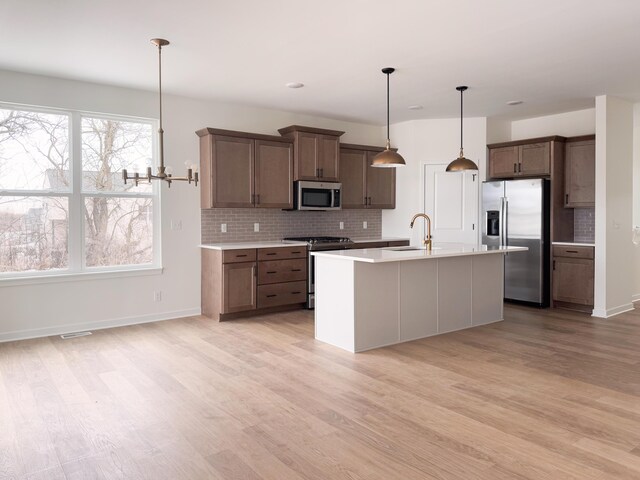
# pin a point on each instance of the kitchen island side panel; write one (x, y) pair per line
(377, 305)
(487, 289)
(418, 299)
(454, 293)
(335, 309)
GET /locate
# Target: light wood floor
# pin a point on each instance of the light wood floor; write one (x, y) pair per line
(543, 395)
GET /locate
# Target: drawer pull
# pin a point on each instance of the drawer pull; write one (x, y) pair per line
(239, 256)
(272, 295)
(572, 251)
(271, 272)
(296, 293)
(296, 252)
(296, 269)
(272, 253)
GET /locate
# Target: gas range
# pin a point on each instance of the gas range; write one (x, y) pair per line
(322, 243)
(315, 244)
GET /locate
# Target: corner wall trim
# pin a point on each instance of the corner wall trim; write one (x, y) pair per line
(99, 325)
(610, 312)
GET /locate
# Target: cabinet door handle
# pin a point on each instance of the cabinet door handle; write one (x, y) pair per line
(258, 199)
(519, 168)
(322, 172)
(554, 264)
(515, 169)
(253, 199)
(566, 199)
(317, 172)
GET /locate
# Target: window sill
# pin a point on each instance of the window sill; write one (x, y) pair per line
(74, 277)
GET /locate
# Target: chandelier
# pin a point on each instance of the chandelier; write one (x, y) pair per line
(164, 173)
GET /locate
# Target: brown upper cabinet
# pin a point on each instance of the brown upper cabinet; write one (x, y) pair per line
(526, 158)
(316, 152)
(365, 186)
(580, 172)
(536, 157)
(241, 169)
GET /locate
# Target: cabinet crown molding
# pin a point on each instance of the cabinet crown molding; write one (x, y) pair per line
(301, 128)
(203, 132)
(528, 141)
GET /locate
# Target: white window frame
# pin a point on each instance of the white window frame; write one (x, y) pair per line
(76, 267)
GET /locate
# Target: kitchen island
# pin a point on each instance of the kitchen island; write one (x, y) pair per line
(371, 298)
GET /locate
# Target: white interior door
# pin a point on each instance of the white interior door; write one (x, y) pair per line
(451, 200)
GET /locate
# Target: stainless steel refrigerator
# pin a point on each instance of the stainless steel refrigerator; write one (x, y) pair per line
(516, 213)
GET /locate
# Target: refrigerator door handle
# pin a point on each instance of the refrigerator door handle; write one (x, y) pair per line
(503, 222)
(506, 225)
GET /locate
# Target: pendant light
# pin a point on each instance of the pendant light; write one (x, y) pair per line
(460, 164)
(164, 173)
(388, 158)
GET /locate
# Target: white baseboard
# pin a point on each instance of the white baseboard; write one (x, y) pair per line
(99, 325)
(636, 298)
(610, 312)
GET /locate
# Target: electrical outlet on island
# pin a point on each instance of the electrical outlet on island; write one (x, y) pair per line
(256, 227)
(364, 225)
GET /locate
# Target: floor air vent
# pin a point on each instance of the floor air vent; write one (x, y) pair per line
(67, 336)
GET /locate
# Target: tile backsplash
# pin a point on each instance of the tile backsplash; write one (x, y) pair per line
(276, 224)
(584, 225)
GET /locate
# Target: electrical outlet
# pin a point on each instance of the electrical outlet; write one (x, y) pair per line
(223, 227)
(176, 224)
(157, 296)
(341, 225)
(256, 227)
(364, 225)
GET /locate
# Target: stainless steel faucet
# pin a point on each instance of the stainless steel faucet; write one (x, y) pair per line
(427, 237)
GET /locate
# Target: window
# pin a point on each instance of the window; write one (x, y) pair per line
(64, 207)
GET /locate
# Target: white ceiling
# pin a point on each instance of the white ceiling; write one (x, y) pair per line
(555, 55)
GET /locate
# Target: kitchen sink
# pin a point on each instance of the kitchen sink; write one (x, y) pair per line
(409, 248)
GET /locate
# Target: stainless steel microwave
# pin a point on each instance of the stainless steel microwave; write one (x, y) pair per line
(317, 195)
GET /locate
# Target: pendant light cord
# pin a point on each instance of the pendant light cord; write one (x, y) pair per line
(461, 117)
(388, 135)
(160, 130)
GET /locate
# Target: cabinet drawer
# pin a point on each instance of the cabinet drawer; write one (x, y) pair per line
(282, 253)
(278, 271)
(572, 252)
(234, 256)
(282, 294)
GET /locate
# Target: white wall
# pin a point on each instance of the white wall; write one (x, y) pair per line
(569, 124)
(51, 308)
(428, 141)
(636, 196)
(614, 272)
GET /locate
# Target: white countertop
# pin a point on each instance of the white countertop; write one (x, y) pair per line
(574, 244)
(279, 243)
(395, 254)
(241, 245)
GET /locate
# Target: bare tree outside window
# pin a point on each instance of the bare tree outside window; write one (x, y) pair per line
(118, 229)
(38, 188)
(34, 210)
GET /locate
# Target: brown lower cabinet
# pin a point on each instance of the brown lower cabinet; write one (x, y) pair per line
(573, 277)
(249, 281)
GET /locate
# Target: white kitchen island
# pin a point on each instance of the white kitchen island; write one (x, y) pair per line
(376, 297)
